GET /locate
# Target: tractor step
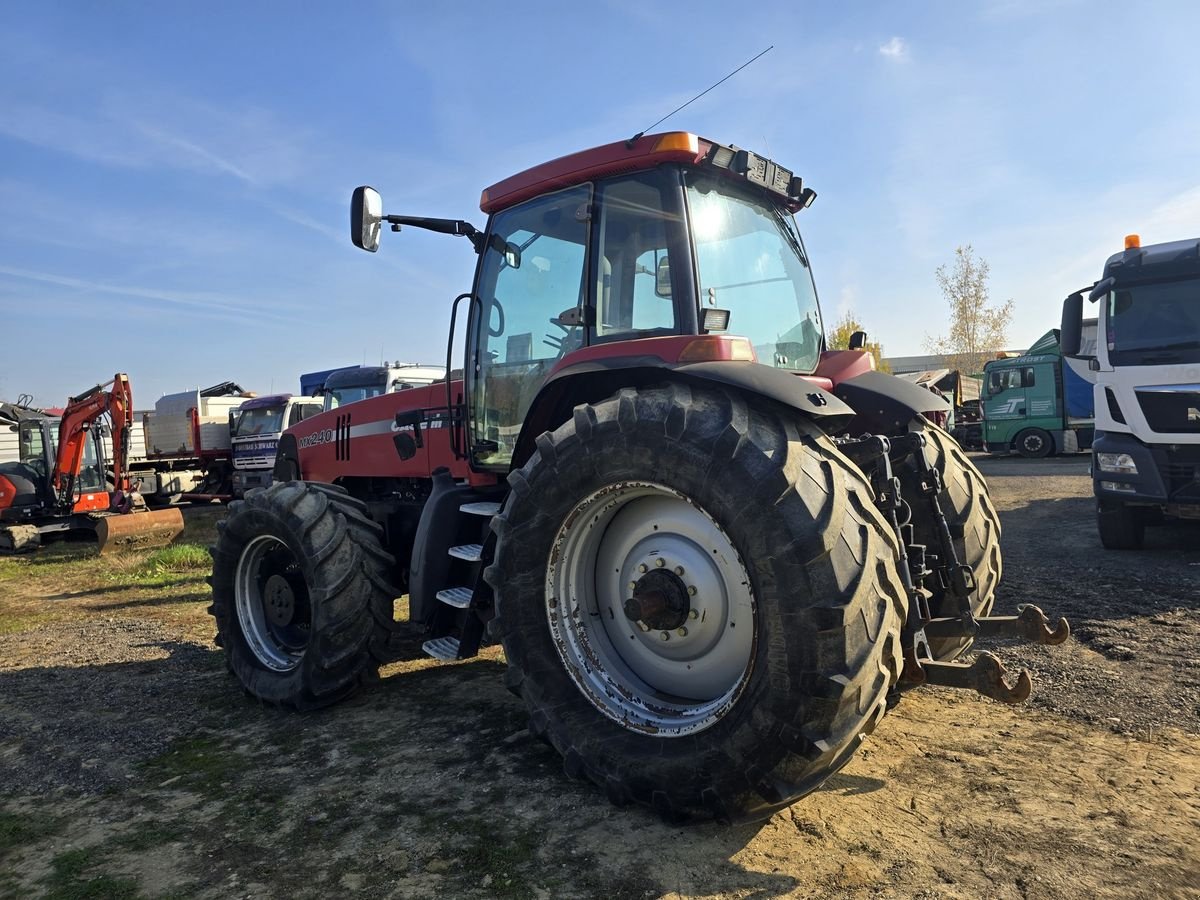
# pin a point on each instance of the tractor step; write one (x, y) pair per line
(480, 508)
(458, 597)
(443, 648)
(469, 552)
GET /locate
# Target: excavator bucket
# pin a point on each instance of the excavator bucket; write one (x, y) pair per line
(139, 530)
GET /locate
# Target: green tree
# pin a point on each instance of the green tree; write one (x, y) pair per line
(839, 339)
(977, 329)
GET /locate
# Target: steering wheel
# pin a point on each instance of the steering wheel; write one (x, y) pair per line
(499, 329)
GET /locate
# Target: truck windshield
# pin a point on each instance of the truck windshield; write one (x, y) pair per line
(340, 396)
(751, 262)
(263, 420)
(1155, 323)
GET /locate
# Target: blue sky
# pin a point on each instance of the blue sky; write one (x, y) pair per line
(175, 179)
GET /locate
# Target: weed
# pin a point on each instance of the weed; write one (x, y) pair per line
(17, 830)
(204, 765)
(71, 878)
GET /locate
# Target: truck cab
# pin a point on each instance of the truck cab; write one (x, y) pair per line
(362, 382)
(1146, 371)
(255, 428)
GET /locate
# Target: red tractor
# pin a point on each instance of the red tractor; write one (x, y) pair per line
(713, 551)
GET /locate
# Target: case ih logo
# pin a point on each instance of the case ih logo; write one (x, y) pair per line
(1193, 415)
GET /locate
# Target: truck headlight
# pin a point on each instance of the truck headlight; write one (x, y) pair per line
(1116, 462)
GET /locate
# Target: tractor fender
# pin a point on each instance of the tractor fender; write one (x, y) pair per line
(594, 380)
(885, 404)
(287, 459)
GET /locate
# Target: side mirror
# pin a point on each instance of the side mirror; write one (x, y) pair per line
(662, 277)
(366, 218)
(1071, 332)
(858, 340)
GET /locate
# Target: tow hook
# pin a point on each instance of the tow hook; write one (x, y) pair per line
(985, 674)
(1030, 624)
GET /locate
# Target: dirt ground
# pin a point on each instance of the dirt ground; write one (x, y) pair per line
(132, 765)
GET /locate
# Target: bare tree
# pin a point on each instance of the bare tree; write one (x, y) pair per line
(977, 329)
(839, 339)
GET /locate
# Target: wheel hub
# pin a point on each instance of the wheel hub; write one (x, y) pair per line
(660, 600)
(279, 600)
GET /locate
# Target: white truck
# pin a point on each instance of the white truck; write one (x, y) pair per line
(188, 451)
(349, 385)
(255, 433)
(1146, 386)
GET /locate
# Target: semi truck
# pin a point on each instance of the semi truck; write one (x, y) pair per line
(255, 431)
(350, 385)
(187, 448)
(1036, 404)
(1146, 387)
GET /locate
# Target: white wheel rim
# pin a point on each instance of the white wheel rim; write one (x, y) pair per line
(280, 650)
(668, 683)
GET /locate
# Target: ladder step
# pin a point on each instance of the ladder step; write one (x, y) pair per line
(480, 508)
(458, 597)
(443, 648)
(469, 552)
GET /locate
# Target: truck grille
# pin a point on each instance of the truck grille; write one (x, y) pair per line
(1182, 473)
(1171, 412)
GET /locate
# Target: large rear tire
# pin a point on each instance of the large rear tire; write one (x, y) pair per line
(974, 529)
(300, 594)
(766, 584)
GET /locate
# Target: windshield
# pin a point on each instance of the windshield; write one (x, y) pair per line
(263, 420)
(1154, 323)
(751, 262)
(340, 396)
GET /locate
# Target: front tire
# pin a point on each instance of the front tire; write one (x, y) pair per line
(974, 530)
(1121, 527)
(300, 586)
(763, 693)
(1034, 443)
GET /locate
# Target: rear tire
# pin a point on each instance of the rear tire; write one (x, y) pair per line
(300, 594)
(974, 529)
(1034, 443)
(778, 533)
(1121, 527)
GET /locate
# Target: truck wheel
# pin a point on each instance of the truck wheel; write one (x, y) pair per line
(300, 590)
(1034, 443)
(974, 528)
(1121, 527)
(698, 601)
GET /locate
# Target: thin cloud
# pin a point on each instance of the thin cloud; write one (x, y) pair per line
(896, 48)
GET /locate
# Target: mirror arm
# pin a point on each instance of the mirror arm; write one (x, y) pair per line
(442, 226)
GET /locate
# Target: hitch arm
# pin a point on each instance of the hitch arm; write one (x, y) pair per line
(1030, 624)
(986, 674)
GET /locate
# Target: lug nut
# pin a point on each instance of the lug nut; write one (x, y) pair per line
(679, 570)
(633, 585)
(659, 563)
(692, 614)
(681, 631)
(643, 626)
(691, 590)
(642, 567)
(665, 636)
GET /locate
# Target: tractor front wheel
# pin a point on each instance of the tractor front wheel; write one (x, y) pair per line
(300, 590)
(698, 601)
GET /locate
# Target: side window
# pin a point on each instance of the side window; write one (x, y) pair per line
(633, 289)
(295, 415)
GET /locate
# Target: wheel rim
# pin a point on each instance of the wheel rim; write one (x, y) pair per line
(272, 603)
(1033, 443)
(671, 672)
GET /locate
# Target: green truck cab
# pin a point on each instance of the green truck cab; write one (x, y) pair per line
(1036, 403)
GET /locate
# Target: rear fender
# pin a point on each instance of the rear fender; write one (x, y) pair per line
(593, 381)
(287, 459)
(885, 404)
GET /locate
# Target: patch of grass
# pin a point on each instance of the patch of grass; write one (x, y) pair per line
(178, 558)
(71, 878)
(203, 765)
(18, 830)
(508, 857)
(14, 622)
(150, 833)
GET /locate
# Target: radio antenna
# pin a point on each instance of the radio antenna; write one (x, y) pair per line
(633, 140)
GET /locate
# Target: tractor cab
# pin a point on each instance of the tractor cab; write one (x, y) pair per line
(644, 246)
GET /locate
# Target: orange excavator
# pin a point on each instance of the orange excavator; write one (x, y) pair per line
(62, 482)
